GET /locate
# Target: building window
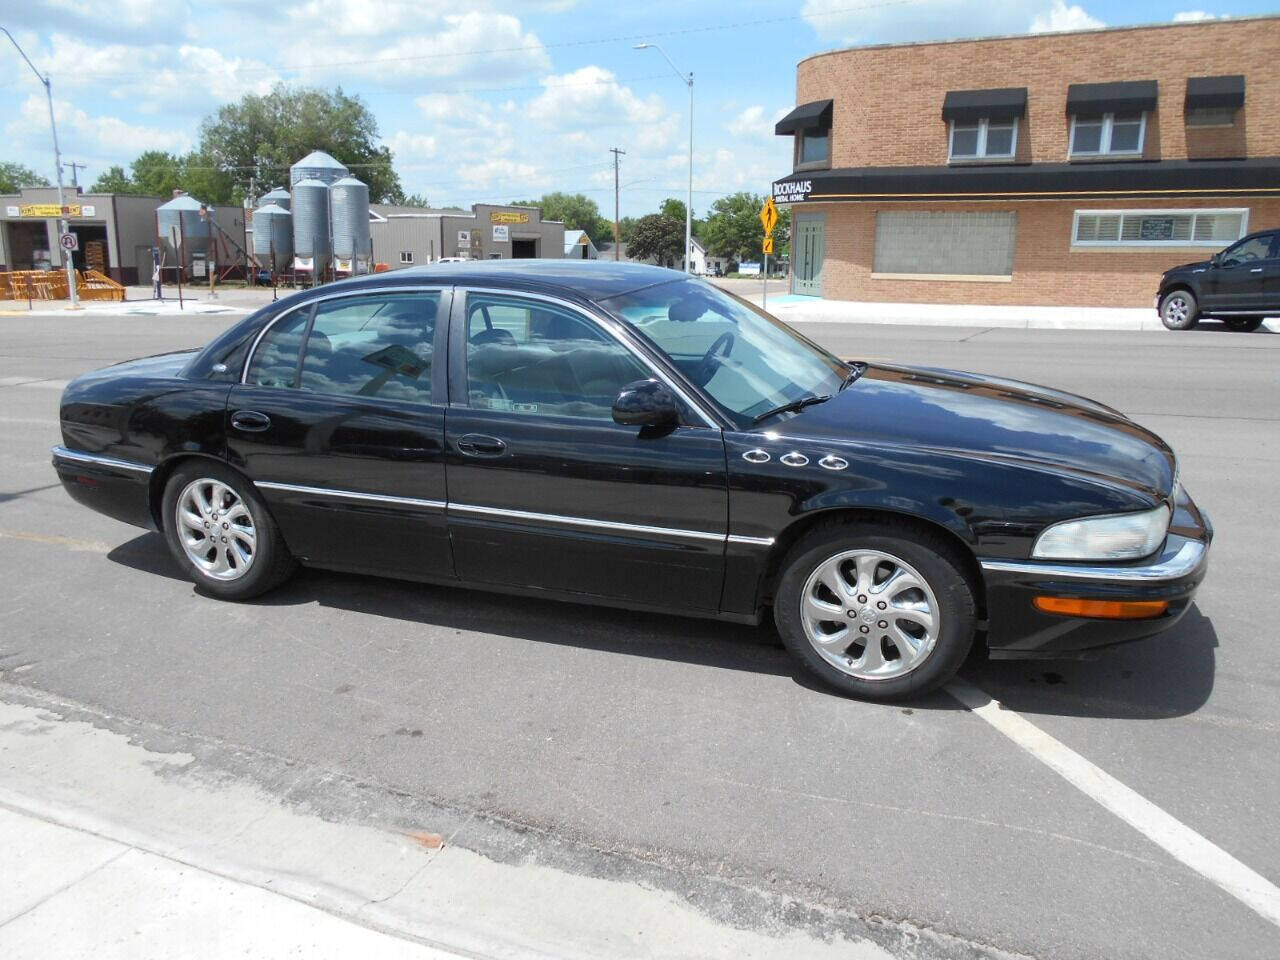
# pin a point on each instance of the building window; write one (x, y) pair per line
(1158, 228)
(976, 244)
(1108, 135)
(984, 140)
(1211, 117)
(813, 148)
(406, 256)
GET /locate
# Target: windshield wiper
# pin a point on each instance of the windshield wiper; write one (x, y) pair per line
(856, 369)
(799, 404)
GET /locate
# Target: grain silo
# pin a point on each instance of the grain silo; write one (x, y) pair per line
(312, 247)
(273, 237)
(349, 205)
(182, 232)
(317, 165)
(279, 196)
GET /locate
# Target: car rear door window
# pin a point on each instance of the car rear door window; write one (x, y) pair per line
(275, 362)
(534, 357)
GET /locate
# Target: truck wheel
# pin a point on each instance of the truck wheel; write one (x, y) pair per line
(1179, 310)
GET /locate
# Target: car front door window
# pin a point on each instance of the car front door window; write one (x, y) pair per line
(1255, 248)
(534, 357)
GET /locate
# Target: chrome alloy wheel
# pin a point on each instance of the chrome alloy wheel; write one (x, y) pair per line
(216, 529)
(870, 615)
(1176, 309)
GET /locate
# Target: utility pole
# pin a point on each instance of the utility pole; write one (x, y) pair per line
(617, 229)
(75, 182)
(57, 165)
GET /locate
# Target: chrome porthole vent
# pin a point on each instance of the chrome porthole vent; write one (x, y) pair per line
(794, 459)
(757, 456)
(832, 462)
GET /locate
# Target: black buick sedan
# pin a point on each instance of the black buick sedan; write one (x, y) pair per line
(630, 436)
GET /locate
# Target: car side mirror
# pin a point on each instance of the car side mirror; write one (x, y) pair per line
(645, 403)
(1216, 259)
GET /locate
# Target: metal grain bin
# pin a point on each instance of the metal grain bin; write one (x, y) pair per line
(317, 165)
(273, 237)
(180, 217)
(312, 248)
(349, 204)
(279, 196)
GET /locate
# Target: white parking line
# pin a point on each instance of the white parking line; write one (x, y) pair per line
(1176, 838)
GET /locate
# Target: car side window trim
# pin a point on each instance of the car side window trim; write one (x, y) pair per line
(443, 312)
(605, 324)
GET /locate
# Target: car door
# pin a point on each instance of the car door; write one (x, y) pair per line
(1238, 279)
(546, 491)
(339, 422)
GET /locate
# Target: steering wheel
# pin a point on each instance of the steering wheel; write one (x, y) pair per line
(706, 367)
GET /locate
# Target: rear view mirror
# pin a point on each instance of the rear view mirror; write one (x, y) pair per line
(645, 403)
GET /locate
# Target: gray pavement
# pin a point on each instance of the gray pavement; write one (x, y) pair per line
(687, 756)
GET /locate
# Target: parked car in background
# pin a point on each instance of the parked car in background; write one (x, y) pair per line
(1240, 285)
(626, 435)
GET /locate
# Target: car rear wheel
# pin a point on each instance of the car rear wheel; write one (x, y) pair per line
(879, 612)
(220, 532)
(1179, 310)
(1245, 324)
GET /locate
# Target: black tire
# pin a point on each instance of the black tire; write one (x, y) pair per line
(1179, 310)
(936, 560)
(1244, 324)
(270, 564)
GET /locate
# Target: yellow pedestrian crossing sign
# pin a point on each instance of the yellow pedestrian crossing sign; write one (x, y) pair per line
(769, 217)
(768, 244)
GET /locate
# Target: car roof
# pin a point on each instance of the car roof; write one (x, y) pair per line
(589, 279)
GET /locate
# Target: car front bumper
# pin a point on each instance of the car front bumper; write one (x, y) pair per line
(1018, 629)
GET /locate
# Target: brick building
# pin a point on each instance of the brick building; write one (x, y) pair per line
(1068, 168)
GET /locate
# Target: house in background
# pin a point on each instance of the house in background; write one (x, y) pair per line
(578, 246)
(1061, 168)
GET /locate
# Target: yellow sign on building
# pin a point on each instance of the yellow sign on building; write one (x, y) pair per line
(46, 210)
(498, 217)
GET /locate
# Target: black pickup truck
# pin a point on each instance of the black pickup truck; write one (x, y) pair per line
(1240, 286)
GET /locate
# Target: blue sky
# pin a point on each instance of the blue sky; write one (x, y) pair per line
(490, 100)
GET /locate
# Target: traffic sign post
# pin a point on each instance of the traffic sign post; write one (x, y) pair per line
(768, 220)
(69, 242)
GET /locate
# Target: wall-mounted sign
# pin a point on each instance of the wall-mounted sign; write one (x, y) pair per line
(791, 191)
(464, 238)
(44, 211)
(498, 217)
(12, 212)
(501, 233)
(584, 240)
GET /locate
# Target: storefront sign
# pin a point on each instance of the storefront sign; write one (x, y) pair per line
(45, 211)
(791, 191)
(501, 233)
(464, 238)
(497, 217)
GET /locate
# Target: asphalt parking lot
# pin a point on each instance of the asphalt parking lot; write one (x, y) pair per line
(692, 755)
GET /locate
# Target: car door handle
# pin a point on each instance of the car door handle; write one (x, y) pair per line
(250, 421)
(1255, 269)
(479, 445)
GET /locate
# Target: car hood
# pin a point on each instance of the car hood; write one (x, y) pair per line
(1186, 267)
(993, 418)
(160, 365)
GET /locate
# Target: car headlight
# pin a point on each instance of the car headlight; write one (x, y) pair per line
(1125, 536)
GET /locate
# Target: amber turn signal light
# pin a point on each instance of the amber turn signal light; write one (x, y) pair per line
(1103, 609)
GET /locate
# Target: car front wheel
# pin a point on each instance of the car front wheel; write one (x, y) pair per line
(875, 611)
(1179, 310)
(220, 532)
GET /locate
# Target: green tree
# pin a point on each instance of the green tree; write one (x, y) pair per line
(14, 176)
(270, 133)
(576, 211)
(411, 200)
(733, 228)
(659, 238)
(626, 227)
(673, 208)
(112, 180)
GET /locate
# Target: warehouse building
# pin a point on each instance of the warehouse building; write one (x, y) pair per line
(407, 236)
(116, 232)
(1068, 168)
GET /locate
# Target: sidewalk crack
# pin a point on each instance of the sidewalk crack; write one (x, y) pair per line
(65, 887)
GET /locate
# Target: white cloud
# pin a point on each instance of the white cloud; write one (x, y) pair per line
(838, 21)
(593, 97)
(90, 135)
(1193, 16)
(1062, 17)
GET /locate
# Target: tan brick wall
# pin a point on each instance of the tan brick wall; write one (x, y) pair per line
(1046, 270)
(888, 100)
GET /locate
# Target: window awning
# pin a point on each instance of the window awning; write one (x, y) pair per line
(807, 117)
(968, 106)
(1131, 96)
(1211, 92)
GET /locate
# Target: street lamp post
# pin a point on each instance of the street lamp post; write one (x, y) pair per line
(57, 160)
(688, 206)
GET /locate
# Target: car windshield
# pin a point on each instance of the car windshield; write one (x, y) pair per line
(747, 361)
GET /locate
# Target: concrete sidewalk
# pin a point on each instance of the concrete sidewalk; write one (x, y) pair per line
(797, 309)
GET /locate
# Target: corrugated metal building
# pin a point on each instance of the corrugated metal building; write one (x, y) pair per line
(405, 236)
